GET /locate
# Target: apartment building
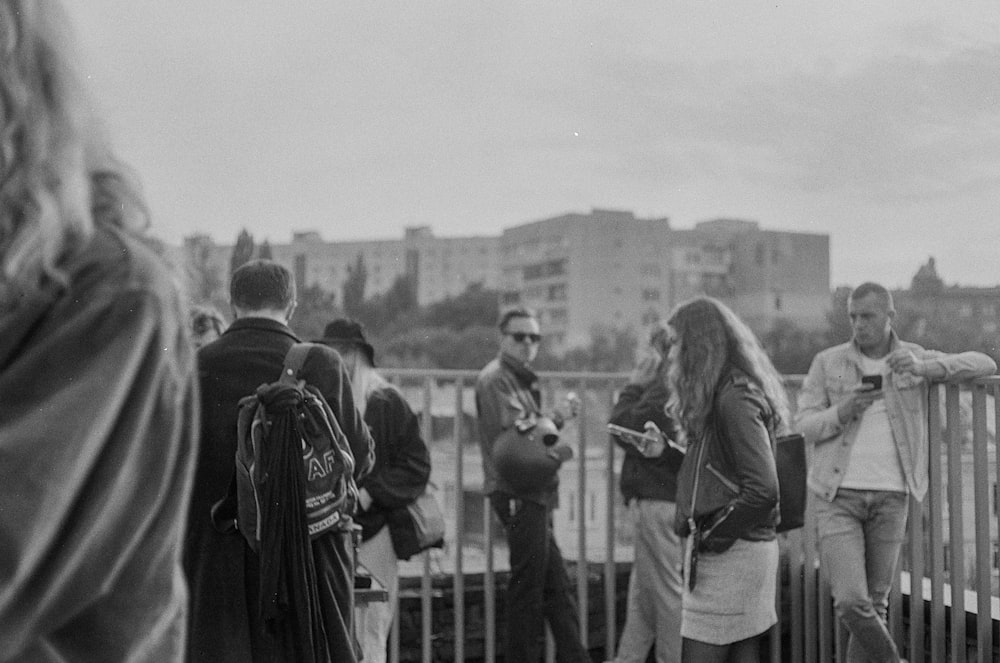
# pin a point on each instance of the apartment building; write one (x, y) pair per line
(606, 268)
(609, 268)
(440, 267)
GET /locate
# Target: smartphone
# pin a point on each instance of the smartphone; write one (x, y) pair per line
(637, 439)
(874, 380)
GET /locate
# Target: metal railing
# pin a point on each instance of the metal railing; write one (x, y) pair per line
(952, 540)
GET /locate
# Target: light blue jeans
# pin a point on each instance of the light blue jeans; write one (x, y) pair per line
(860, 533)
(655, 585)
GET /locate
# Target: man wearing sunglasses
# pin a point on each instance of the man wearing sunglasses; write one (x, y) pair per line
(508, 396)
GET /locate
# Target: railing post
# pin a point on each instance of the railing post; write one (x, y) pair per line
(426, 605)
(916, 639)
(981, 493)
(458, 578)
(956, 535)
(610, 561)
(581, 532)
(936, 538)
(489, 584)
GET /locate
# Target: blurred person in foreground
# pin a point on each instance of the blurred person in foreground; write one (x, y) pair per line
(98, 408)
(870, 453)
(207, 324)
(399, 476)
(649, 486)
(228, 620)
(730, 403)
(508, 397)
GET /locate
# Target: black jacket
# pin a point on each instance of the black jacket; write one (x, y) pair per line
(737, 441)
(641, 477)
(402, 461)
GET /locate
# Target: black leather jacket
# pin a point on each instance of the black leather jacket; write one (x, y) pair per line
(737, 444)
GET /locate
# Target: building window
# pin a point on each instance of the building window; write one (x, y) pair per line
(558, 316)
(965, 310)
(557, 293)
(510, 298)
(650, 295)
(543, 269)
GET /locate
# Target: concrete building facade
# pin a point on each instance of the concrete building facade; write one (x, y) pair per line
(609, 268)
(440, 267)
(605, 268)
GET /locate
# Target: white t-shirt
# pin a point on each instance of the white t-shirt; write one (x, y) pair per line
(874, 462)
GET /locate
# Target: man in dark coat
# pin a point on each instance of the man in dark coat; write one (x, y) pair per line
(222, 570)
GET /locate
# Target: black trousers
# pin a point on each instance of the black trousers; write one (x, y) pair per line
(539, 588)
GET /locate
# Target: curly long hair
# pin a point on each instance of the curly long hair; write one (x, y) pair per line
(708, 340)
(58, 176)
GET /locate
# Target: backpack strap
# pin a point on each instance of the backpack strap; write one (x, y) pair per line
(294, 360)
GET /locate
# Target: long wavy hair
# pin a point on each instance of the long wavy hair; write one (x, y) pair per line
(708, 340)
(58, 176)
(365, 378)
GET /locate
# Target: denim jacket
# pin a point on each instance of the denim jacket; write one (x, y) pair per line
(834, 373)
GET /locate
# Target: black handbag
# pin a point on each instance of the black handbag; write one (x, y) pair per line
(417, 526)
(790, 460)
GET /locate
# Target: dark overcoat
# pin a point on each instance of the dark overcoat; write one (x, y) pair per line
(220, 567)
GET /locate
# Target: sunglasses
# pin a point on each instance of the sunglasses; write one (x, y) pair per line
(521, 337)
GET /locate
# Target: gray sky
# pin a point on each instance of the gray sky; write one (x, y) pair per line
(878, 123)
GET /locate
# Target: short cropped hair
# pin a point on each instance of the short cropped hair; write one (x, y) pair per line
(869, 288)
(516, 312)
(261, 285)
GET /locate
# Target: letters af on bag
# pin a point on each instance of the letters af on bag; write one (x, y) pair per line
(417, 526)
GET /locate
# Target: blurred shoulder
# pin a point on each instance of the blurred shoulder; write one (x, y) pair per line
(491, 372)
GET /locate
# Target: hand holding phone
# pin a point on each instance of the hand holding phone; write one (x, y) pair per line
(637, 439)
(648, 444)
(874, 380)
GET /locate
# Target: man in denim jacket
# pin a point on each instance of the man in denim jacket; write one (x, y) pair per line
(870, 452)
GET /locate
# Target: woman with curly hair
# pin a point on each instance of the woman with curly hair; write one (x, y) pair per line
(97, 408)
(730, 404)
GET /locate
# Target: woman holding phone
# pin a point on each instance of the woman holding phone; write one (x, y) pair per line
(729, 402)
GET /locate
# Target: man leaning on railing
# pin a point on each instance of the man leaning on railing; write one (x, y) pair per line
(864, 407)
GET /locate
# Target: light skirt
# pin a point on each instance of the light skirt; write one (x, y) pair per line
(733, 598)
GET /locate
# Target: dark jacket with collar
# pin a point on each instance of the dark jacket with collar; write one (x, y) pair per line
(402, 460)
(737, 441)
(506, 391)
(250, 353)
(646, 478)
